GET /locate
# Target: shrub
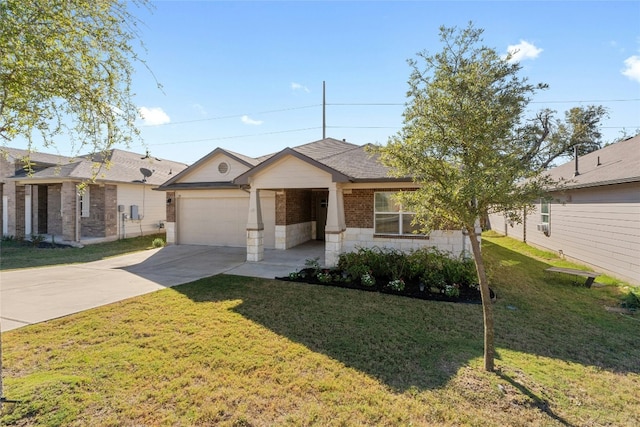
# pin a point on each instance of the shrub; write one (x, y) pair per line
(157, 243)
(396, 285)
(631, 301)
(36, 239)
(314, 265)
(367, 280)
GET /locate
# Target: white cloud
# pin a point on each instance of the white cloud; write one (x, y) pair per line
(154, 116)
(249, 121)
(522, 50)
(298, 86)
(632, 68)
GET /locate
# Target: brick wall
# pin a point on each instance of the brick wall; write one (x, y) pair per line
(54, 218)
(93, 225)
(171, 206)
(358, 208)
(69, 204)
(111, 210)
(20, 211)
(293, 206)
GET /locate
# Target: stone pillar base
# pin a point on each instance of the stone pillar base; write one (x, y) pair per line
(255, 245)
(332, 248)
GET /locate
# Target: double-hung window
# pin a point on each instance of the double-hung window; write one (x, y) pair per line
(390, 217)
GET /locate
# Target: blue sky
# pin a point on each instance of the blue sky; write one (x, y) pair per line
(247, 76)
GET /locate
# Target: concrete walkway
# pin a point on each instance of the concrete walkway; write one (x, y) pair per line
(35, 295)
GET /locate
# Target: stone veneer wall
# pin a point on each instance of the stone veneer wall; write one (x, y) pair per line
(288, 236)
(452, 241)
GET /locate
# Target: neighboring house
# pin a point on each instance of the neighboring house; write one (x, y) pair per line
(327, 190)
(51, 200)
(596, 218)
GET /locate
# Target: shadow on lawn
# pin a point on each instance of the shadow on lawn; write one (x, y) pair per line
(555, 316)
(409, 343)
(402, 342)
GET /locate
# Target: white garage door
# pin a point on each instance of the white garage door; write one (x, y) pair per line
(221, 221)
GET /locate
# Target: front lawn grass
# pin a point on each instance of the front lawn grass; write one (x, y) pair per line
(17, 254)
(237, 351)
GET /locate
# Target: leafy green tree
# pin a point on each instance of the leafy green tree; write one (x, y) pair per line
(546, 138)
(460, 141)
(65, 72)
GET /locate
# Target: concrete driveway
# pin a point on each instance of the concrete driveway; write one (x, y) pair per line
(34, 295)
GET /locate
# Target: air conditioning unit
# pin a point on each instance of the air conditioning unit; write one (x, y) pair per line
(543, 227)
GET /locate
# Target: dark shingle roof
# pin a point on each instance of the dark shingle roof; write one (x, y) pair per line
(614, 164)
(124, 166)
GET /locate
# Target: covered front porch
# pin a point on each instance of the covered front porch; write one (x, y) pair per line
(303, 215)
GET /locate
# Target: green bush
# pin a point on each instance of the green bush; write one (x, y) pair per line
(157, 242)
(434, 268)
(36, 239)
(631, 301)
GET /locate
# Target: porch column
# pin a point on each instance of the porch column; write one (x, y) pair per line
(69, 207)
(335, 227)
(255, 228)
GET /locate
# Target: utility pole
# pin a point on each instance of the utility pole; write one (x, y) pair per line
(324, 112)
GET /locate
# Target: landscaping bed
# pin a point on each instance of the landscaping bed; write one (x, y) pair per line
(425, 274)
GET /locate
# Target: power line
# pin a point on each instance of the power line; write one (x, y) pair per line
(361, 104)
(235, 116)
(220, 138)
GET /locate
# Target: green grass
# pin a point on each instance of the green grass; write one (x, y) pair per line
(15, 254)
(236, 351)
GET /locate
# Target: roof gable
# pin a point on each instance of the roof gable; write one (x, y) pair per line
(336, 176)
(210, 170)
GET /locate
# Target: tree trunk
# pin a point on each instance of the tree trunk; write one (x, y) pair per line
(487, 304)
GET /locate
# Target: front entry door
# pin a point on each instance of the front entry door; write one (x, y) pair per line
(321, 216)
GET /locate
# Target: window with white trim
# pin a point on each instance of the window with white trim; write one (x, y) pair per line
(390, 217)
(545, 213)
(84, 203)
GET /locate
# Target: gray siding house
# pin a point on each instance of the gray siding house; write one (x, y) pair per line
(595, 219)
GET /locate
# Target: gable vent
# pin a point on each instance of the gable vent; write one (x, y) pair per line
(223, 168)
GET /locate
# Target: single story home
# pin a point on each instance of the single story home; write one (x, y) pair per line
(595, 218)
(59, 199)
(328, 190)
